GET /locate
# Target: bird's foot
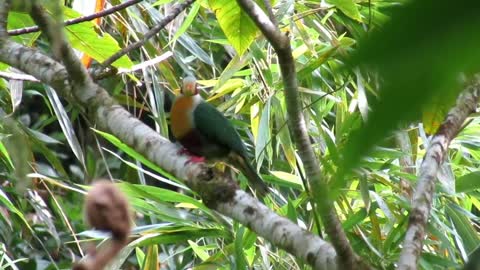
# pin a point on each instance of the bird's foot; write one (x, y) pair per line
(197, 159)
(193, 158)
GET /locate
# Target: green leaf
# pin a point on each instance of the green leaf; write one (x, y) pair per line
(464, 228)
(199, 251)
(435, 111)
(17, 20)
(151, 258)
(187, 22)
(235, 23)
(84, 38)
(348, 7)
(262, 142)
(468, 182)
(134, 154)
(240, 259)
(4, 154)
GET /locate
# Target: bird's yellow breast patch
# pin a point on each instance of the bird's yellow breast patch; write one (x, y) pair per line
(181, 116)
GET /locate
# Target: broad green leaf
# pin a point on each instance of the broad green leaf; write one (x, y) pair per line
(84, 38)
(18, 20)
(348, 7)
(435, 111)
(468, 182)
(235, 23)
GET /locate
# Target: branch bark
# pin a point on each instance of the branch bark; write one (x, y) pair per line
(217, 190)
(103, 13)
(281, 43)
(150, 33)
(423, 195)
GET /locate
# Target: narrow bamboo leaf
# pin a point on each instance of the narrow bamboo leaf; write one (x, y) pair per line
(354, 219)
(9, 205)
(65, 124)
(464, 228)
(199, 251)
(140, 255)
(4, 154)
(134, 154)
(262, 142)
(468, 182)
(16, 92)
(151, 258)
(162, 195)
(240, 260)
(187, 22)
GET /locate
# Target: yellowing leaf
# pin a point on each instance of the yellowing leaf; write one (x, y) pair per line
(287, 177)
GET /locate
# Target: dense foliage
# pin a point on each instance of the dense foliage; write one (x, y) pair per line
(50, 152)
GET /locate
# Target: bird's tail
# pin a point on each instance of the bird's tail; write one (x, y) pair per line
(250, 173)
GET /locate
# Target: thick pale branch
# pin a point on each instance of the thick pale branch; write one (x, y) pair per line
(283, 232)
(296, 121)
(423, 195)
(217, 191)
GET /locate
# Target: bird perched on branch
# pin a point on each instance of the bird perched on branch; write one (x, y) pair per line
(203, 131)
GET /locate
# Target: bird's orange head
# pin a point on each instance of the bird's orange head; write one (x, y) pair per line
(189, 87)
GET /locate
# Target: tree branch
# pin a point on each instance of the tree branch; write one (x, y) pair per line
(4, 9)
(61, 48)
(281, 43)
(103, 13)
(218, 191)
(436, 152)
(150, 33)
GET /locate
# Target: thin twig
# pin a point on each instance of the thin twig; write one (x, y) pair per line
(434, 157)
(152, 32)
(103, 13)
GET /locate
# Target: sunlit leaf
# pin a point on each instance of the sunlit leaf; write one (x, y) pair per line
(235, 23)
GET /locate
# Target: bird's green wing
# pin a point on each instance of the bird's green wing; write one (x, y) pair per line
(212, 124)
